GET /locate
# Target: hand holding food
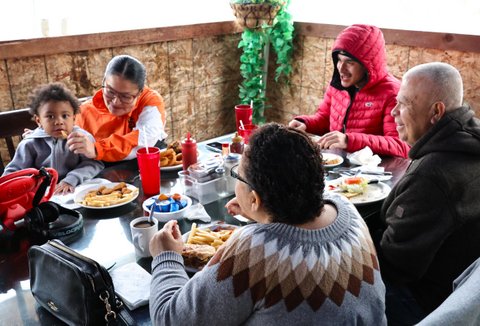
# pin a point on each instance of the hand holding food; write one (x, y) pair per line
(168, 238)
(80, 144)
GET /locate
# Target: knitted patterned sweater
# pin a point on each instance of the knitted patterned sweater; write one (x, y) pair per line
(277, 274)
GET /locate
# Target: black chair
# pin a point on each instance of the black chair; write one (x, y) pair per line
(12, 123)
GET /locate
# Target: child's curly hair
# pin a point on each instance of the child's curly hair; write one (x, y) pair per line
(57, 92)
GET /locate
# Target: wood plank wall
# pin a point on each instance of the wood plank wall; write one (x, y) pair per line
(196, 68)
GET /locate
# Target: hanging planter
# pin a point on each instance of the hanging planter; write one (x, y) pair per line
(263, 28)
(254, 15)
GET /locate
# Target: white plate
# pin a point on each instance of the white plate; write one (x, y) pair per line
(177, 167)
(375, 192)
(167, 216)
(331, 156)
(81, 194)
(172, 168)
(219, 226)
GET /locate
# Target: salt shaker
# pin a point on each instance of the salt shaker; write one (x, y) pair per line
(230, 161)
(189, 152)
(237, 144)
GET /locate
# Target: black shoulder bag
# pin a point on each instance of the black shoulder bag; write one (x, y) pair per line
(74, 288)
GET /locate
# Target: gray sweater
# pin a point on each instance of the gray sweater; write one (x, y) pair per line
(277, 274)
(39, 149)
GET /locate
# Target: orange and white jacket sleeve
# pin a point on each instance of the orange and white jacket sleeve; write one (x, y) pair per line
(118, 138)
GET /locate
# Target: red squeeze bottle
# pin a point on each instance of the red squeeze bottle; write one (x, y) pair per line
(189, 152)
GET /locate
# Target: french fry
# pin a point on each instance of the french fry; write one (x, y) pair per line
(192, 232)
(208, 237)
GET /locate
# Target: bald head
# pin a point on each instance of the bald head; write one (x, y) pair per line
(439, 81)
(427, 92)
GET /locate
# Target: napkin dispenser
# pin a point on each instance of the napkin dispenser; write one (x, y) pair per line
(207, 170)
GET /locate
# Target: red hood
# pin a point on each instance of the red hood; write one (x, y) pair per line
(367, 45)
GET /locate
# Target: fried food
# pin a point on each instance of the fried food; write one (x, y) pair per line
(197, 256)
(172, 156)
(202, 244)
(332, 161)
(104, 196)
(214, 238)
(64, 134)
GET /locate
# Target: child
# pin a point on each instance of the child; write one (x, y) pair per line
(53, 108)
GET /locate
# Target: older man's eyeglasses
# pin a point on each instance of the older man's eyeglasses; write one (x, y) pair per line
(110, 93)
(234, 174)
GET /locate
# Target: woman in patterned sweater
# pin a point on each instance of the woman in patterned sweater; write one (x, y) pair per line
(309, 259)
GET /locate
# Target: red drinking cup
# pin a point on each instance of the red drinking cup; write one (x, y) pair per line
(148, 164)
(245, 131)
(244, 113)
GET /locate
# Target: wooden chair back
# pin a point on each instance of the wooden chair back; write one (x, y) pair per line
(12, 123)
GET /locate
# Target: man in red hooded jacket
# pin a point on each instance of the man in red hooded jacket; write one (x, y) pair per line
(356, 108)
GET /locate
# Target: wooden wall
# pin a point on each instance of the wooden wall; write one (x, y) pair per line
(196, 69)
(313, 67)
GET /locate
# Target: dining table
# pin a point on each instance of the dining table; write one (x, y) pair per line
(106, 235)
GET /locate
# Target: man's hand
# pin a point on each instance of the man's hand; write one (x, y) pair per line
(333, 139)
(169, 238)
(80, 144)
(297, 125)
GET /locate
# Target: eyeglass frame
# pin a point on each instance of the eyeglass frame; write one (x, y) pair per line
(118, 95)
(237, 176)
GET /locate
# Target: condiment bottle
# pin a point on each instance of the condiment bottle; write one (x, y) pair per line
(230, 161)
(225, 150)
(237, 144)
(189, 152)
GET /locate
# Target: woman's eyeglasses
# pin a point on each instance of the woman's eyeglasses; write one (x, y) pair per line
(110, 93)
(234, 174)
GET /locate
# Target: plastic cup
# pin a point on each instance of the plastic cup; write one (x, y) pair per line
(243, 112)
(246, 131)
(148, 165)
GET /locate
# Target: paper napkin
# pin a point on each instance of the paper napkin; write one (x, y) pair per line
(364, 157)
(198, 212)
(132, 284)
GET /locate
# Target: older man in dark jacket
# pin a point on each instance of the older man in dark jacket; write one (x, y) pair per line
(432, 216)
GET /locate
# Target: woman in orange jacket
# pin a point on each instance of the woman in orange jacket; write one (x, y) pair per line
(121, 116)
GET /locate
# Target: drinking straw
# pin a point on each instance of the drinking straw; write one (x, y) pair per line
(145, 139)
(251, 104)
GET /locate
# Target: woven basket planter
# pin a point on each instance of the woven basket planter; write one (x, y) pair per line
(254, 15)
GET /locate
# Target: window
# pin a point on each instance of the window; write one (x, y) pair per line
(23, 19)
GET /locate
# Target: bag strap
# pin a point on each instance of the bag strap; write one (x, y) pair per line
(123, 316)
(43, 187)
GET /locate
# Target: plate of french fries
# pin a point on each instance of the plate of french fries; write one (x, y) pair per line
(107, 195)
(213, 235)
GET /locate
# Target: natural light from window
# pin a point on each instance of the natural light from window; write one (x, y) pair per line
(23, 19)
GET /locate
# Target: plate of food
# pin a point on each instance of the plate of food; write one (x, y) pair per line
(201, 243)
(167, 207)
(359, 190)
(107, 195)
(330, 160)
(171, 157)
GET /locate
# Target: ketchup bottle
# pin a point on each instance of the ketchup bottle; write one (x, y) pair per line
(237, 144)
(189, 152)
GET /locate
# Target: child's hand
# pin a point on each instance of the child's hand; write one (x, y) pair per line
(63, 188)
